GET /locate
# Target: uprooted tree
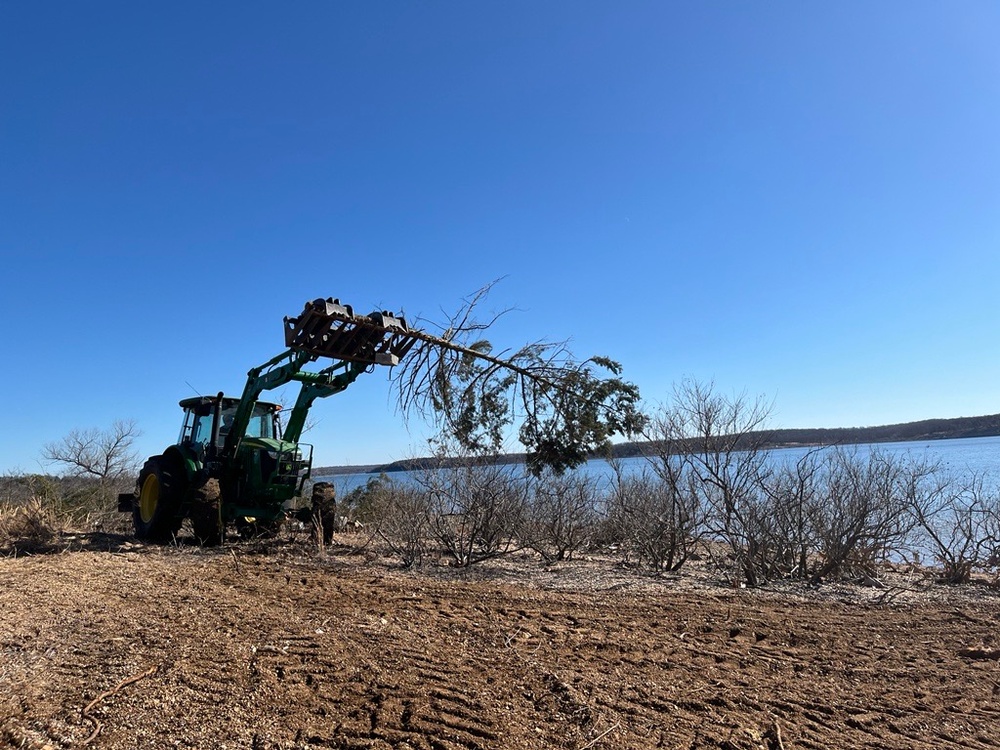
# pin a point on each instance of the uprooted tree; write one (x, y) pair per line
(563, 409)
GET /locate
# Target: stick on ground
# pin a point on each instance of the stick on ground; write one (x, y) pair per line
(107, 694)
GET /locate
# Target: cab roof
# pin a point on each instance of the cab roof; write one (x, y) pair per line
(227, 401)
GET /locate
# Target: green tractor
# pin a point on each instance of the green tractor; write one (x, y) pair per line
(234, 464)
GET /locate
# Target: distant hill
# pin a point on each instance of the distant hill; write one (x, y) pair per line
(927, 429)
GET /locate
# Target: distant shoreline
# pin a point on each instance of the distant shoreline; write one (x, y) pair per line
(927, 429)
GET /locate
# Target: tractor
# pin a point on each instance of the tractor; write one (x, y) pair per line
(234, 463)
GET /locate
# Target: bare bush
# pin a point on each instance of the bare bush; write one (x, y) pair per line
(985, 502)
(663, 513)
(948, 518)
(862, 517)
(784, 540)
(723, 439)
(655, 522)
(974, 517)
(561, 514)
(764, 540)
(400, 516)
(476, 510)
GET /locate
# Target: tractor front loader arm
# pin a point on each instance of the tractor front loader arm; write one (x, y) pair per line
(272, 374)
(325, 328)
(319, 385)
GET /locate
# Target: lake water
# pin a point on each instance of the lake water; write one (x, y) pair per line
(962, 456)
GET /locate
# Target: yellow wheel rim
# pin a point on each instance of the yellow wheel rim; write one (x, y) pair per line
(149, 497)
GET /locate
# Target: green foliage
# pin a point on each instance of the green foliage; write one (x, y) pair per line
(576, 416)
(472, 399)
(568, 411)
(362, 503)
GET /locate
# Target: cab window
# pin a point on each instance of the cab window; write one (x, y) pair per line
(196, 429)
(261, 423)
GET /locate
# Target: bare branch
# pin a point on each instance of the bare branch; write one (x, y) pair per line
(105, 455)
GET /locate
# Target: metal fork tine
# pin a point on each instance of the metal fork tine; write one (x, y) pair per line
(330, 329)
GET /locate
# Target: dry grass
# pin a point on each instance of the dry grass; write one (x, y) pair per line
(28, 527)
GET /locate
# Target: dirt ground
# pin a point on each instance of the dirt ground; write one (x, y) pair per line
(276, 646)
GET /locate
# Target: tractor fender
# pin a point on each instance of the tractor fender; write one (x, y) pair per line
(185, 458)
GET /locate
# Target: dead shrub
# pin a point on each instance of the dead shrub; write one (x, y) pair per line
(951, 518)
(561, 514)
(861, 517)
(658, 522)
(400, 517)
(28, 527)
(476, 511)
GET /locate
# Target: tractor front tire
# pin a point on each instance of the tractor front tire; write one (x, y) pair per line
(324, 511)
(155, 515)
(206, 513)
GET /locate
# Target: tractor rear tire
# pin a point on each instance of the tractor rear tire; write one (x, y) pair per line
(324, 511)
(155, 515)
(206, 513)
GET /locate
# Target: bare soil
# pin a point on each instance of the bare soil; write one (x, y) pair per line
(276, 646)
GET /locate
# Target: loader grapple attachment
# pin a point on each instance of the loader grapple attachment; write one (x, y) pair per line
(328, 328)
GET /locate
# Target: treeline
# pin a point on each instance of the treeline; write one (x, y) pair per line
(927, 429)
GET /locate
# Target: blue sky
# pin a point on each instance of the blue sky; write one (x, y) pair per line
(791, 199)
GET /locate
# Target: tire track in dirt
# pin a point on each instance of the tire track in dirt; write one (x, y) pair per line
(276, 654)
(395, 691)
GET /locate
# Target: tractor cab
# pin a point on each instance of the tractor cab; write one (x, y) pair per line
(199, 415)
(258, 466)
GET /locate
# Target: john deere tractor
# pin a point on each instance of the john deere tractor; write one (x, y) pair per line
(233, 463)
